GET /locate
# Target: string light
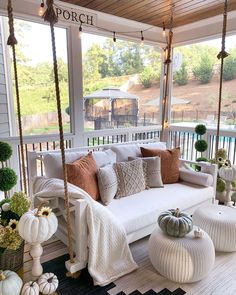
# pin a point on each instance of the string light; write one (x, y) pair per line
(80, 30)
(142, 39)
(164, 30)
(114, 36)
(41, 9)
(166, 124)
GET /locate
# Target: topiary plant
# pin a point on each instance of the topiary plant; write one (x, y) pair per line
(8, 177)
(5, 151)
(200, 145)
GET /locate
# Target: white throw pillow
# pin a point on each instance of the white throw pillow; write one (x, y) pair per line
(124, 151)
(152, 171)
(154, 145)
(53, 164)
(107, 183)
(194, 177)
(131, 178)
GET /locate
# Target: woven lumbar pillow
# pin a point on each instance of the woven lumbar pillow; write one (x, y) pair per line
(169, 163)
(130, 176)
(83, 173)
(152, 172)
(107, 183)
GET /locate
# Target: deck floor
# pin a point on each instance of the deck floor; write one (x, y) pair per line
(221, 280)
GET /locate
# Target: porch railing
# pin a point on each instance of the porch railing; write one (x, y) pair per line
(182, 136)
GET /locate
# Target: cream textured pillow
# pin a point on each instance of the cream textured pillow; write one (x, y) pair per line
(107, 183)
(152, 172)
(130, 176)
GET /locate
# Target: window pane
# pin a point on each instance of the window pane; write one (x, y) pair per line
(36, 77)
(121, 83)
(196, 83)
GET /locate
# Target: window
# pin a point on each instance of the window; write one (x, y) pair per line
(120, 82)
(36, 77)
(196, 83)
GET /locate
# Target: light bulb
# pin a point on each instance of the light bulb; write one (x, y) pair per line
(80, 31)
(164, 30)
(41, 9)
(142, 39)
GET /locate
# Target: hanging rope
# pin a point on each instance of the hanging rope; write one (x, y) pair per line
(51, 17)
(12, 42)
(221, 55)
(167, 64)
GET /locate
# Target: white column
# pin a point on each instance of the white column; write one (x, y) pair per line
(76, 85)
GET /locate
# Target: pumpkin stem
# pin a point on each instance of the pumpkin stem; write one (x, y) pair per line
(50, 280)
(177, 212)
(2, 277)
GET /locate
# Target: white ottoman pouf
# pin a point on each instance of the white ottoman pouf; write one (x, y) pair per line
(220, 223)
(182, 260)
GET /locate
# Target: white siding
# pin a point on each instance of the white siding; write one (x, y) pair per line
(4, 116)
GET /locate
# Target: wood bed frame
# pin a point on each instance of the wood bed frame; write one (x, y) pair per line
(78, 206)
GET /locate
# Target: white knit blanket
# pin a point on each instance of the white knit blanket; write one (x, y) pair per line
(109, 253)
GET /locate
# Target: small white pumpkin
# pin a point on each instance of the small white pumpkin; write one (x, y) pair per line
(30, 288)
(48, 283)
(10, 283)
(228, 173)
(37, 228)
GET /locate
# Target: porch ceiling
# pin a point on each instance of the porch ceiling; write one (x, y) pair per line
(155, 12)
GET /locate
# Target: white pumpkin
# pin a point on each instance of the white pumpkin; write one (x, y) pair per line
(10, 283)
(228, 173)
(48, 283)
(30, 288)
(37, 229)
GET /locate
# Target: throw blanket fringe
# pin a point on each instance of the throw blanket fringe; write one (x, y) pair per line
(109, 253)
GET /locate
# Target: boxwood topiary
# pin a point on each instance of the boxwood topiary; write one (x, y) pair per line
(8, 179)
(201, 145)
(5, 151)
(200, 129)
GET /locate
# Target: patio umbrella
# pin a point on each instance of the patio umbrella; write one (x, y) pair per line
(174, 101)
(111, 93)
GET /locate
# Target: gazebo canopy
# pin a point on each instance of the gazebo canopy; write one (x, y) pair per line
(111, 93)
(174, 101)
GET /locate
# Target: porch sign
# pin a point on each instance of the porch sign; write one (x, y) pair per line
(76, 16)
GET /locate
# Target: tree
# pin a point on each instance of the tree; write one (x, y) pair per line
(204, 71)
(146, 77)
(229, 71)
(181, 76)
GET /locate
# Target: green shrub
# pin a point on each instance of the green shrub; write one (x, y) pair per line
(5, 151)
(200, 129)
(181, 76)
(201, 145)
(147, 76)
(229, 71)
(8, 179)
(204, 71)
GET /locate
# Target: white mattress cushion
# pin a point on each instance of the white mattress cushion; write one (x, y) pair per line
(142, 209)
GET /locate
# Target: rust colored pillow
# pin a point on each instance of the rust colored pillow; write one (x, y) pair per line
(82, 173)
(169, 163)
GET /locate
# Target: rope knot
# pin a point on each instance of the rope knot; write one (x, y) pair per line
(11, 39)
(50, 14)
(222, 54)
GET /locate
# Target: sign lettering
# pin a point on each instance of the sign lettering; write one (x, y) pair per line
(76, 16)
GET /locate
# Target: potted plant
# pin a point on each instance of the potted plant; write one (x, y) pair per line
(11, 210)
(11, 244)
